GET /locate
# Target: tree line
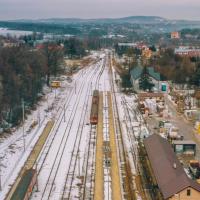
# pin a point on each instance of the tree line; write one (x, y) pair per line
(25, 69)
(179, 69)
(23, 73)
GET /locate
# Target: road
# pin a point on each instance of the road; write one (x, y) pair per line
(186, 128)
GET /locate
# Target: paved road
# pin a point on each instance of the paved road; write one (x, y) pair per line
(186, 128)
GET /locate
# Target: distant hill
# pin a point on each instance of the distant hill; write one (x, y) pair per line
(142, 19)
(130, 19)
(121, 26)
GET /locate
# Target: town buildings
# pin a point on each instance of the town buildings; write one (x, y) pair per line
(187, 51)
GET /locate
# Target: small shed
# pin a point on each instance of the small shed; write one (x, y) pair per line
(186, 147)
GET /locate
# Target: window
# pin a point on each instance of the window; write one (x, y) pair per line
(188, 192)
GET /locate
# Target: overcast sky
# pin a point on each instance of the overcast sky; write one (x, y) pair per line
(34, 9)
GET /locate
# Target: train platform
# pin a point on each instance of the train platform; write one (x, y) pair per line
(32, 157)
(115, 169)
(99, 173)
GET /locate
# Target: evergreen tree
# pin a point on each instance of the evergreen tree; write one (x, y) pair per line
(145, 82)
(195, 80)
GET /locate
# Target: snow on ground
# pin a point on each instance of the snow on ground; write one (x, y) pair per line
(12, 154)
(60, 170)
(62, 165)
(131, 122)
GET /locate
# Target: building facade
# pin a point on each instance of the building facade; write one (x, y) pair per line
(175, 35)
(154, 76)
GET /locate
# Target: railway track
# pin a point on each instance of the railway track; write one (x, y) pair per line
(107, 150)
(61, 117)
(69, 179)
(54, 170)
(130, 131)
(100, 74)
(75, 154)
(88, 183)
(126, 176)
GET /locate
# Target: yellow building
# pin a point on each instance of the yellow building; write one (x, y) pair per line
(166, 174)
(55, 84)
(147, 53)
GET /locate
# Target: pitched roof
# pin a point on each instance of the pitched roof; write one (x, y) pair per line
(137, 72)
(153, 74)
(169, 173)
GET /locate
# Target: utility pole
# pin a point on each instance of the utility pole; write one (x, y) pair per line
(39, 116)
(55, 93)
(79, 164)
(75, 87)
(37, 188)
(47, 102)
(64, 113)
(91, 87)
(24, 144)
(0, 176)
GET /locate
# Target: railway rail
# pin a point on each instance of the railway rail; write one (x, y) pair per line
(129, 190)
(91, 150)
(64, 140)
(75, 153)
(55, 129)
(34, 157)
(38, 161)
(51, 183)
(88, 182)
(106, 149)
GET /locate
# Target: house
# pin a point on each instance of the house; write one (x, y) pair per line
(185, 147)
(133, 45)
(9, 43)
(187, 51)
(147, 53)
(167, 177)
(136, 74)
(175, 35)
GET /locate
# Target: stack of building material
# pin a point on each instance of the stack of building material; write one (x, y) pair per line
(151, 105)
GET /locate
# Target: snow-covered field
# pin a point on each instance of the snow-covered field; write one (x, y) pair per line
(14, 33)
